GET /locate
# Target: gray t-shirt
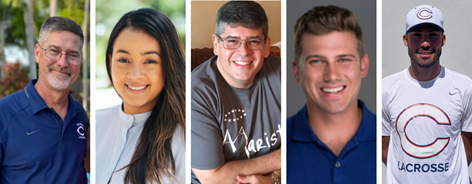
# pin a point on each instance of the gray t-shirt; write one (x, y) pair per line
(234, 124)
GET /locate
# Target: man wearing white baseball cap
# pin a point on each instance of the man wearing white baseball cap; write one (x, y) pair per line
(426, 110)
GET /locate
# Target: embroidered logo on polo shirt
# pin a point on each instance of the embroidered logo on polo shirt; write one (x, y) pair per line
(31, 133)
(81, 130)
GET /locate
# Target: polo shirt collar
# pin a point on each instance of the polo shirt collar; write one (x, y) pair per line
(37, 103)
(303, 132)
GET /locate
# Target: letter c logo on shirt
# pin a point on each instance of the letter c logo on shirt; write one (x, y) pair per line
(416, 111)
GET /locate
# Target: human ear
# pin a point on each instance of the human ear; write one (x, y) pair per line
(295, 68)
(364, 65)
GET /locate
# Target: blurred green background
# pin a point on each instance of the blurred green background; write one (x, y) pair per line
(20, 22)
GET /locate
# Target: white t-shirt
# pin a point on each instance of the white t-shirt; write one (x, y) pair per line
(117, 136)
(424, 120)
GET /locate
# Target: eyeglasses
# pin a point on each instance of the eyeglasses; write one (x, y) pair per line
(235, 43)
(56, 54)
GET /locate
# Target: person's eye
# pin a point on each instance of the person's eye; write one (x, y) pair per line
(232, 41)
(54, 51)
(74, 56)
(315, 61)
(343, 60)
(122, 60)
(417, 34)
(254, 42)
(150, 61)
(433, 34)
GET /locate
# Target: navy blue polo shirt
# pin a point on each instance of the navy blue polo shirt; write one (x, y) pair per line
(36, 146)
(310, 161)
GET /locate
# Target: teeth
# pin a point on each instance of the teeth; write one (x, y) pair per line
(332, 90)
(242, 62)
(137, 88)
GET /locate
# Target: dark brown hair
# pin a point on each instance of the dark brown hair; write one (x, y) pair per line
(323, 20)
(153, 158)
(248, 14)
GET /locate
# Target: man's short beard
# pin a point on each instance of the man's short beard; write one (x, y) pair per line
(59, 82)
(415, 59)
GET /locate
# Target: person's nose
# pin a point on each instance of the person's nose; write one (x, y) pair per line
(62, 61)
(331, 72)
(243, 48)
(425, 43)
(136, 72)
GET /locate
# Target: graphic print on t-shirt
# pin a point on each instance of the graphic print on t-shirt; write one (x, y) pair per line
(426, 114)
(251, 144)
(427, 143)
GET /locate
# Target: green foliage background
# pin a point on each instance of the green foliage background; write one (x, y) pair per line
(15, 24)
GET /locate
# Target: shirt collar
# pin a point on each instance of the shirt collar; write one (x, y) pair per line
(132, 120)
(37, 103)
(303, 132)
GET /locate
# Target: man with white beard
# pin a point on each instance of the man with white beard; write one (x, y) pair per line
(42, 128)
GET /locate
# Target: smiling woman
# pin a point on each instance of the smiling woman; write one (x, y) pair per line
(143, 140)
(137, 70)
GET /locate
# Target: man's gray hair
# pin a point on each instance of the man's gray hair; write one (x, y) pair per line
(55, 24)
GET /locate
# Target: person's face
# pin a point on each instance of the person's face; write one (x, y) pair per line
(59, 73)
(424, 44)
(136, 70)
(330, 71)
(239, 66)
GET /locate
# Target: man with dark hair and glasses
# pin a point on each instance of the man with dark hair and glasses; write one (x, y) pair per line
(42, 128)
(236, 102)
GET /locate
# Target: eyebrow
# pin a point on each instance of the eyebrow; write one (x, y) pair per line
(57, 47)
(314, 56)
(323, 57)
(346, 55)
(150, 52)
(249, 37)
(142, 54)
(121, 51)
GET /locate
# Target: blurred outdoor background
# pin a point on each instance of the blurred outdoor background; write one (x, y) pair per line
(107, 15)
(20, 22)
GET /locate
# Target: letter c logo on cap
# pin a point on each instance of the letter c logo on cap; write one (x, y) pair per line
(427, 111)
(424, 14)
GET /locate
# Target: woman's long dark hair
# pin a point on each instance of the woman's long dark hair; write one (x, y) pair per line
(153, 158)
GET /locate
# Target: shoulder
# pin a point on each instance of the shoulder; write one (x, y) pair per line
(204, 82)
(457, 77)
(204, 76)
(391, 84)
(395, 78)
(298, 117)
(290, 122)
(12, 104)
(106, 113)
(460, 82)
(204, 71)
